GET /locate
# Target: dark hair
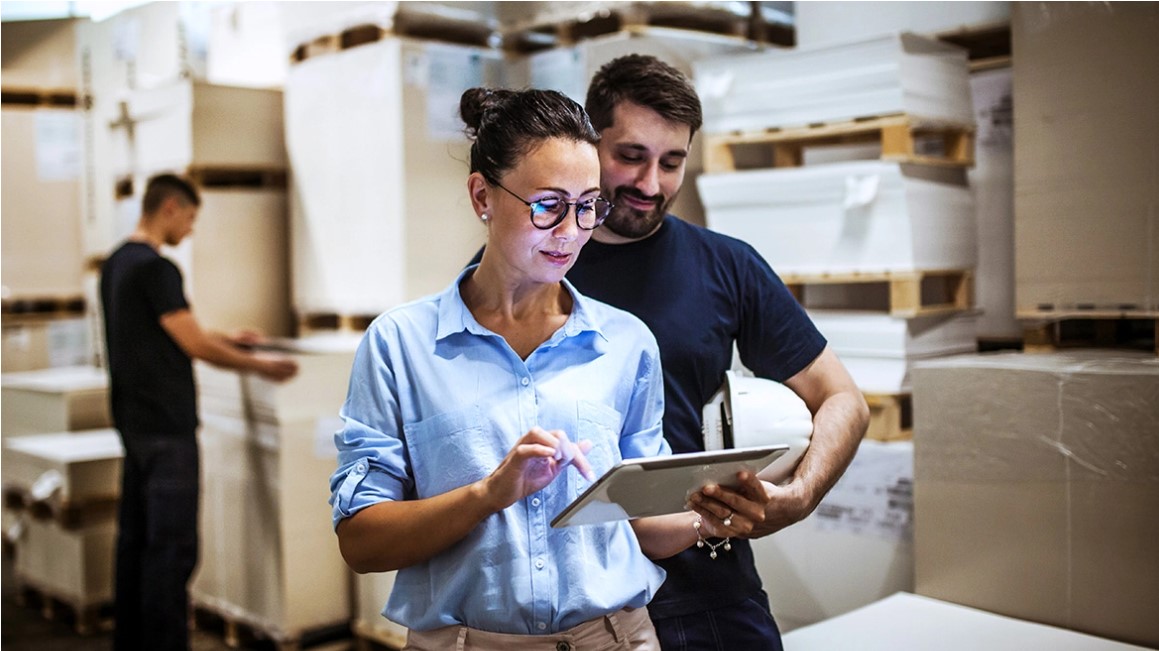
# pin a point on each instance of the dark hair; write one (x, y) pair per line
(507, 124)
(163, 186)
(647, 81)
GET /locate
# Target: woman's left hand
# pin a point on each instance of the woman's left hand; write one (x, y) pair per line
(731, 512)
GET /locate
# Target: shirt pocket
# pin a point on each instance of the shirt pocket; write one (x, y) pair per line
(601, 425)
(450, 450)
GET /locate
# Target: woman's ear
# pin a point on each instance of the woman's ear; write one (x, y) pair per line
(480, 193)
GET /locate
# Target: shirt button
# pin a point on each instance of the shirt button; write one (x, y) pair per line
(525, 381)
(535, 501)
(361, 467)
(539, 564)
(541, 626)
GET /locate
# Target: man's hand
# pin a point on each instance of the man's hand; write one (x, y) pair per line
(276, 367)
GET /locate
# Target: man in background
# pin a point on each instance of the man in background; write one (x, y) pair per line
(701, 292)
(152, 338)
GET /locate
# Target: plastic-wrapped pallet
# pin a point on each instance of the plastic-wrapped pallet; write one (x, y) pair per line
(899, 73)
(270, 559)
(855, 216)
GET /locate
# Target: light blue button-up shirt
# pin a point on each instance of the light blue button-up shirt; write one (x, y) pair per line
(436, 401)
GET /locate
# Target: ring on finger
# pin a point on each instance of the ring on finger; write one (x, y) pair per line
(727, 521)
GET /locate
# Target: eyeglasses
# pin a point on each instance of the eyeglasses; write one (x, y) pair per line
(550, 211)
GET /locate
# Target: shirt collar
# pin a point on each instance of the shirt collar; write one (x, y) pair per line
(454, 316)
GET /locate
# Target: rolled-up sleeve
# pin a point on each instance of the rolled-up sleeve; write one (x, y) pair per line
(372, 461)
(643, 434)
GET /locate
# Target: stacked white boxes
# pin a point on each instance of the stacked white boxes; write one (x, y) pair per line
(829, 219)
(270, 559)
(851, 219)
(150, 111)
(64, 531)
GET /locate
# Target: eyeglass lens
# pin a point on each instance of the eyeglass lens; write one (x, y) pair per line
(550, 211)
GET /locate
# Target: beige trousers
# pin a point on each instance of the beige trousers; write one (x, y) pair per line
(628, 629)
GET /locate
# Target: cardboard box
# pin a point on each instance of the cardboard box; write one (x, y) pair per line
(856, 548)
(908, 621)
(42, 245)
(55, 400)
(39, 54)
(73, 565)
(1035, 488)
(36, 342)
(239, 271)
(833, 82)
(1086, 201)
(857, 216)
(69, 468)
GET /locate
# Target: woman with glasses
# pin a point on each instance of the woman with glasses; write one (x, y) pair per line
(476, 415)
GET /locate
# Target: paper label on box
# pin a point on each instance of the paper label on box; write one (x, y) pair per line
(449, 72)
(58, 145)
(324, 429)
(875, 495)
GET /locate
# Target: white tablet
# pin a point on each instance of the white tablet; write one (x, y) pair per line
(638, 488)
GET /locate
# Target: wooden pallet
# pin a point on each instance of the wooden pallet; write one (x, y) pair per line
(332, 322)
(1048, 329)
(241, 632)
(902, 139)
(40, 308)
(373, 638)
(39, 97)
(988, 47)
(85, 618)
(418, 25)
(550, 31)
(911, 293)
(216, 178)
(890, 417)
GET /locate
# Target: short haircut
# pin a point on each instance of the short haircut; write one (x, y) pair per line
(507, 124)
(647, 81)
(163, 186)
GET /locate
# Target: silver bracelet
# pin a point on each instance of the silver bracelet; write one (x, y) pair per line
(701, 542)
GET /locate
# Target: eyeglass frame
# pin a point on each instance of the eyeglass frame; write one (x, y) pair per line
(572, 207)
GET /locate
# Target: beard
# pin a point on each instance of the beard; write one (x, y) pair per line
(631, 223)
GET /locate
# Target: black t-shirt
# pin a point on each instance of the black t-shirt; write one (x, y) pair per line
(699, 291)
(151, 378)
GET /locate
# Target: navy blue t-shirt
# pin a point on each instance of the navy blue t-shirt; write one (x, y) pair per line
(699, 291)
(150, 378)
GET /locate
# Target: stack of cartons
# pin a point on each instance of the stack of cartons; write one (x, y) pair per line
(1036, 484)
(65, 487)
(149, 112)
(43, 261)
(270, 559)
(54, 400)
(880, 251)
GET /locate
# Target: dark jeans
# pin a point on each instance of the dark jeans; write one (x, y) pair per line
(156, 541)
(746, 626)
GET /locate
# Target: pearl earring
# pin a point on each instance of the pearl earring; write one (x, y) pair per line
(484, 217)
